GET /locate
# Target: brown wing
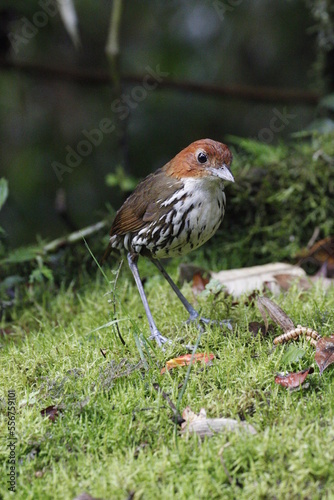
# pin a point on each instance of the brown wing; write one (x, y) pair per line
(141, 206)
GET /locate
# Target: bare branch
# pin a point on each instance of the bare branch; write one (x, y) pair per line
(102, 77)
(74, 237)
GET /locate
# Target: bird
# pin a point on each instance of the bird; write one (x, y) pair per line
(171, 212)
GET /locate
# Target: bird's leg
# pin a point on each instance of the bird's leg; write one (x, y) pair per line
(193, 314)
(155, 334)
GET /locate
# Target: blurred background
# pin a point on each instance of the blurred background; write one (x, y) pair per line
(96, 94)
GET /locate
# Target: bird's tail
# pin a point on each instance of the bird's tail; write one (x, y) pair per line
(109, 250)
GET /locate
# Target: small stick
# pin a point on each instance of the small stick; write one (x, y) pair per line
(177, 417)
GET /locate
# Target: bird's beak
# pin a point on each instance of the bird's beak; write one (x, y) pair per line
(223, 172)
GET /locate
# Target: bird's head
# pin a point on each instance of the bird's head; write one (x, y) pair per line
(203, 158)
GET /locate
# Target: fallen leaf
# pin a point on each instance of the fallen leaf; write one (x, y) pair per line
(292, 355)
(185, 360)
(293, 380)
(267, 306)
(324, 353)
(188, 271)
(51, 412)
(199, 283)
(203, 426)
(247, 279)
(322, 251)
(285, 281)
(256, 327)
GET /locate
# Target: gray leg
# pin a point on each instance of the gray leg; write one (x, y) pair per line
(193, 314)
(155, 334)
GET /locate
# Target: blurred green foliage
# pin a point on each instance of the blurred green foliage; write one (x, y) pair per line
(252, 43)
(120, 179)
(281, 194)
(3, 192)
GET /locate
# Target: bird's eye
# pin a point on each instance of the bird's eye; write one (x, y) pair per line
(202, 157)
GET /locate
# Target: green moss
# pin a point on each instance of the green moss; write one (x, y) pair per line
(117, 437)
(281, 194)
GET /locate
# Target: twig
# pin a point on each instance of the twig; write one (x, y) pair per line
(228, 475)
(74, 237)
(314, 237)
(178, 419)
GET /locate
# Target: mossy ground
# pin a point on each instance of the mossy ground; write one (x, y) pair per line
(114, 437)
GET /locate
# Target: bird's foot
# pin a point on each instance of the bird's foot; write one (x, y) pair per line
(208, 321)
(160, 339)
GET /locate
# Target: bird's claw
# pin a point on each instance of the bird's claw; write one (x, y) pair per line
(160, 339)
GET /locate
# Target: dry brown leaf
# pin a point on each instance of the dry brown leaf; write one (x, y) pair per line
(199, 283)
(187, 272)
(285, 281)
(51, 412)
(185, 360)
(203, 426)
(259, 328)
(247, 279)
(322, 251)
(268, 307)
(293, 380)
(255, 327)
(324, 353)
